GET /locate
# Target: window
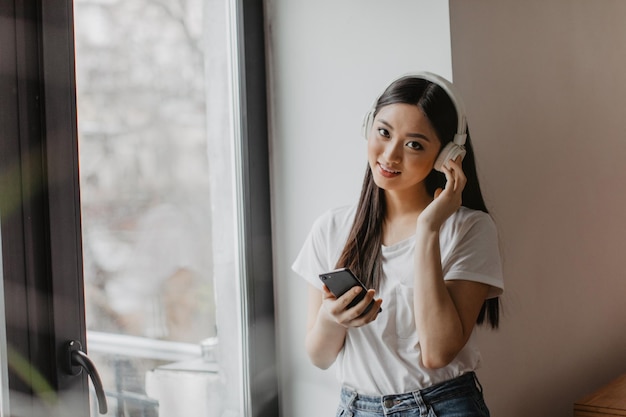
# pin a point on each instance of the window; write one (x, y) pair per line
(174, 252)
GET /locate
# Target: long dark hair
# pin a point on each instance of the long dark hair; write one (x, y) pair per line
(362, 252)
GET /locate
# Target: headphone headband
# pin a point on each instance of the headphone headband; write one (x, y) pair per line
(455, 97)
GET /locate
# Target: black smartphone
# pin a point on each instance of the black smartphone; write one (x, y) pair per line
(341, 280)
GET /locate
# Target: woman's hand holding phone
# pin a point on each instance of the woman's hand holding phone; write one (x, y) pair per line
(355, 316)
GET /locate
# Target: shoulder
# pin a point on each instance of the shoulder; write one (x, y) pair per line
(323, 245)
(470, 249)
(336, 219)
(466, 218)
(468, 223)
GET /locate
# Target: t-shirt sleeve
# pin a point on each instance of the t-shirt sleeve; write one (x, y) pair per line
(475, 254)
(315, 256)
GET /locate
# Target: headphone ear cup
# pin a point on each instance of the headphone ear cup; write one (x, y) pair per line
(368, 120)
(450, 152)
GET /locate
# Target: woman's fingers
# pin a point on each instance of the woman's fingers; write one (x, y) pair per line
(366, 311)
(448, 200)
(371, 314)
(357, 315)
(455, 175)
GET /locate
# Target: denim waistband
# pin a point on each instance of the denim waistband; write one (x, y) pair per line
(458, 386)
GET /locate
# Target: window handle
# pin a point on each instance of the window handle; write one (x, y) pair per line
(76, 361)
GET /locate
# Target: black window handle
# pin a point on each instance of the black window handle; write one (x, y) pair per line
(77, 360)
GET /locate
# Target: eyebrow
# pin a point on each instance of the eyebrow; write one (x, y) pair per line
(411, 135)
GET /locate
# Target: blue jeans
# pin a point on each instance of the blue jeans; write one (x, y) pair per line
(458, 397)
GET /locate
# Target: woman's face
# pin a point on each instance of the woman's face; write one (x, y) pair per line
(402, 148)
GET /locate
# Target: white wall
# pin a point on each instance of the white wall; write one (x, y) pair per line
(546, 87)
(328, 61)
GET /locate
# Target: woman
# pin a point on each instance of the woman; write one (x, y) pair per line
(423, 242)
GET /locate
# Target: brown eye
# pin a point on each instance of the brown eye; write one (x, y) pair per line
(383, 132)
(414, 145)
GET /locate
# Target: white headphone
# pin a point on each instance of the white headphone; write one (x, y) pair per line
(453, 149)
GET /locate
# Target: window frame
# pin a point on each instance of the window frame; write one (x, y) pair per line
(260, 396)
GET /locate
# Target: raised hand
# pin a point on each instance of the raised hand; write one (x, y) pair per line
(447, 200)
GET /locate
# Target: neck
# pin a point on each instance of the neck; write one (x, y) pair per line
(406, 203)
(402, 211)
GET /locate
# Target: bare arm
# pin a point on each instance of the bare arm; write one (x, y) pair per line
(328, 322)
(445, 311)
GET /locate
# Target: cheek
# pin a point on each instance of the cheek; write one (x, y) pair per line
(373, 149)
(432, 156)
(421, 165)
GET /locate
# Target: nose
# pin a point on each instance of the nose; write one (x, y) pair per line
(393, 152)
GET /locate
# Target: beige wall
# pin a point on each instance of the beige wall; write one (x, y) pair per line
(545, 86)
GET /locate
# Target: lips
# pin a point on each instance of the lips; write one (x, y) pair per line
(387, 172)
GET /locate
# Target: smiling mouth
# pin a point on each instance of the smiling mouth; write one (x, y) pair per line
(386, 171)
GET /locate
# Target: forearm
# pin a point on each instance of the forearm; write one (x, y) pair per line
(324, 340)
(439, 326)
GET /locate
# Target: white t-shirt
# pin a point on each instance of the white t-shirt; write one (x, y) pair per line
(383, 357)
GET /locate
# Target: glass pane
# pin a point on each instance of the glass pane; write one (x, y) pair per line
(157, 204)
